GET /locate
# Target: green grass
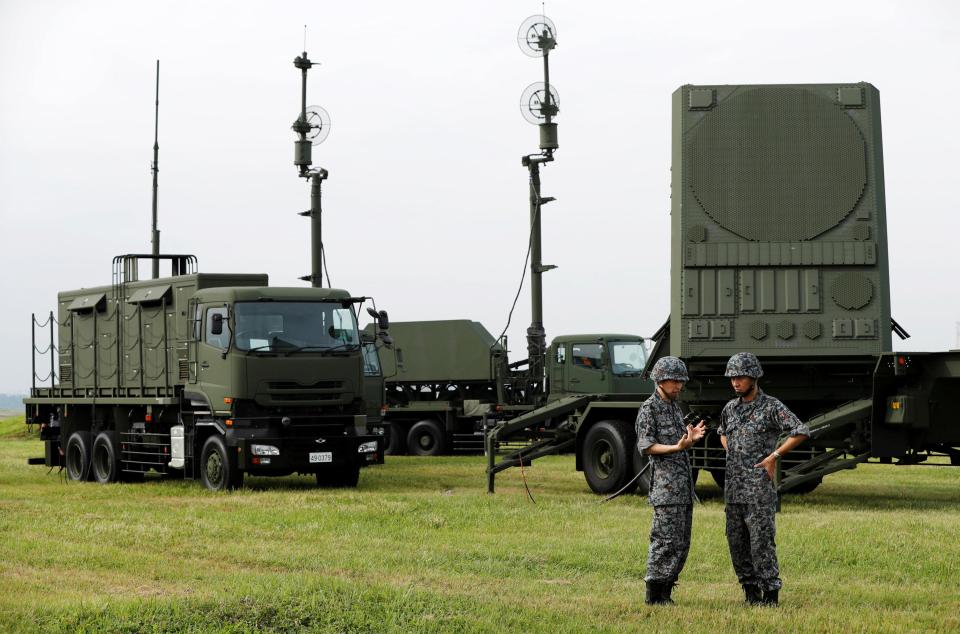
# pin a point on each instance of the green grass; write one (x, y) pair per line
(420, 546)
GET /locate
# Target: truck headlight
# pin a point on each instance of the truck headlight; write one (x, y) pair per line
(367, 447)
(264, 450)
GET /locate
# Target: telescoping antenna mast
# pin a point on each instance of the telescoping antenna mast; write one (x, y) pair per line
(539, 104)
(155, 168)
(312, 128)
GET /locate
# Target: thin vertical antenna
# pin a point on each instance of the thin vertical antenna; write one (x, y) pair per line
(155, 168)
(304, 37)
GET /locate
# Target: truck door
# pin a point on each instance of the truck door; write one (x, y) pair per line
(587, 368)
(558, 360)
(373, 386)
(213, 375)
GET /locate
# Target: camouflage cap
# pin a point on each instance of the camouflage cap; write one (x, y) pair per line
(744, 364)
(669, 369)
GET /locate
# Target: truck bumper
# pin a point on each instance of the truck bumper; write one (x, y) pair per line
(305, 455)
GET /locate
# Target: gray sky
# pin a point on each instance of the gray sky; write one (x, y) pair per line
(426, 204)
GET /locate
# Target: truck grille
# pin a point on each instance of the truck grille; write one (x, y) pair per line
(292, 385)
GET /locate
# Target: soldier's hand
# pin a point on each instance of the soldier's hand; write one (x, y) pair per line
(697, 432)
(769, 464)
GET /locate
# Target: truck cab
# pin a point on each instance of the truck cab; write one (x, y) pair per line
(596, 364)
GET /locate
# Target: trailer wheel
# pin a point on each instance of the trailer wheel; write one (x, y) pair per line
(426, 438)
(104, 463)
(77, 456)
(340, 476)
(607, 459)
(396, 445)
(218, 467)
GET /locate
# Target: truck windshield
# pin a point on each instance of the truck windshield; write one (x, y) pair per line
(295, 326)
(628, 357)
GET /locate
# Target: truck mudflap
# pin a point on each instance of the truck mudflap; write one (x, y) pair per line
(276, 455)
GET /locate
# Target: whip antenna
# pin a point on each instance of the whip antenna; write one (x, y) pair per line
(155, 168)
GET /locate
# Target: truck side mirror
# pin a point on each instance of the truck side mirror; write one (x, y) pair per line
(383, 321)
(216, 325)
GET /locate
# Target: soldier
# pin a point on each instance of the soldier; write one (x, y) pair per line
(662, 436)
(750, 426)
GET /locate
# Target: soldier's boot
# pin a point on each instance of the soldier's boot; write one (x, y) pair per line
(771, 597)
(658, 593)
(752, 594)
(667, 589)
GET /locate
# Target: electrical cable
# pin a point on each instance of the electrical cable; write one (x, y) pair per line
(525, 261)
(524, 476)
(627, 485)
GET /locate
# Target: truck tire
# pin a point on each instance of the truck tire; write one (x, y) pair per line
(76, 456)
(104, 462)
(397, 435)
(607, 456)
(341, 476)
(218, 467)
(426, 438)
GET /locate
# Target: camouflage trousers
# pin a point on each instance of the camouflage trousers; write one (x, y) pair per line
(751, 532)
(669, 541)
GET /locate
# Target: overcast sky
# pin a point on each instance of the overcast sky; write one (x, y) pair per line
(426, 205)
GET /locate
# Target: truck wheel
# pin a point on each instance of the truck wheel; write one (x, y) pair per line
(426, 438)
(719, 476)
(607, 457)
(218, 467)
(396, 444)
(104, 463)
(77, 456)
(338, 476)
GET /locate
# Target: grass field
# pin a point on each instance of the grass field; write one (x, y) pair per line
(420, 546)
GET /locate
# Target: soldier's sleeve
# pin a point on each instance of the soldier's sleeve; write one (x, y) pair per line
(646, 428)
(788, 421)
(722, 429)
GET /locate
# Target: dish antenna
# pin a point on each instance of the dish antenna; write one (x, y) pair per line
(319, 121)
(534, 103)
(537, 35)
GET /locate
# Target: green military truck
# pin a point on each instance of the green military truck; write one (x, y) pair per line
(448, 381)
(779, 247)
(206, 376)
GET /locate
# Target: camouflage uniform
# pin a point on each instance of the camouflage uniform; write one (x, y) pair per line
(752, 429)
(671, 491)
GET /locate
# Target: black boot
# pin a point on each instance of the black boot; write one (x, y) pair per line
(658, 592)
(752, 594)
(665, 592)
(771, 597)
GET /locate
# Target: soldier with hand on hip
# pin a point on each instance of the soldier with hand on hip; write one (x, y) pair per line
(750, 427)
(662, 436)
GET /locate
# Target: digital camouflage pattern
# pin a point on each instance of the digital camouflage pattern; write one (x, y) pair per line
(661, 422)
(751, 533)
(752, 429)
(669, 541)
(669, 369)
(744, 364)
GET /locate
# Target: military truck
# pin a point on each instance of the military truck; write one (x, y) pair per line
(449, 380)
(779, 247)
(205, 376)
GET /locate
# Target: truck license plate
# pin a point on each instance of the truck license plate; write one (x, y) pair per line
(321, 456)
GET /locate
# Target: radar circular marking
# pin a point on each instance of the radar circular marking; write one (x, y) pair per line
(777, 164)
(537, 33)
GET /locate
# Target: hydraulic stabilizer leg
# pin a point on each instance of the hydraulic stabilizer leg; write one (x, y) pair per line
(490, 446)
